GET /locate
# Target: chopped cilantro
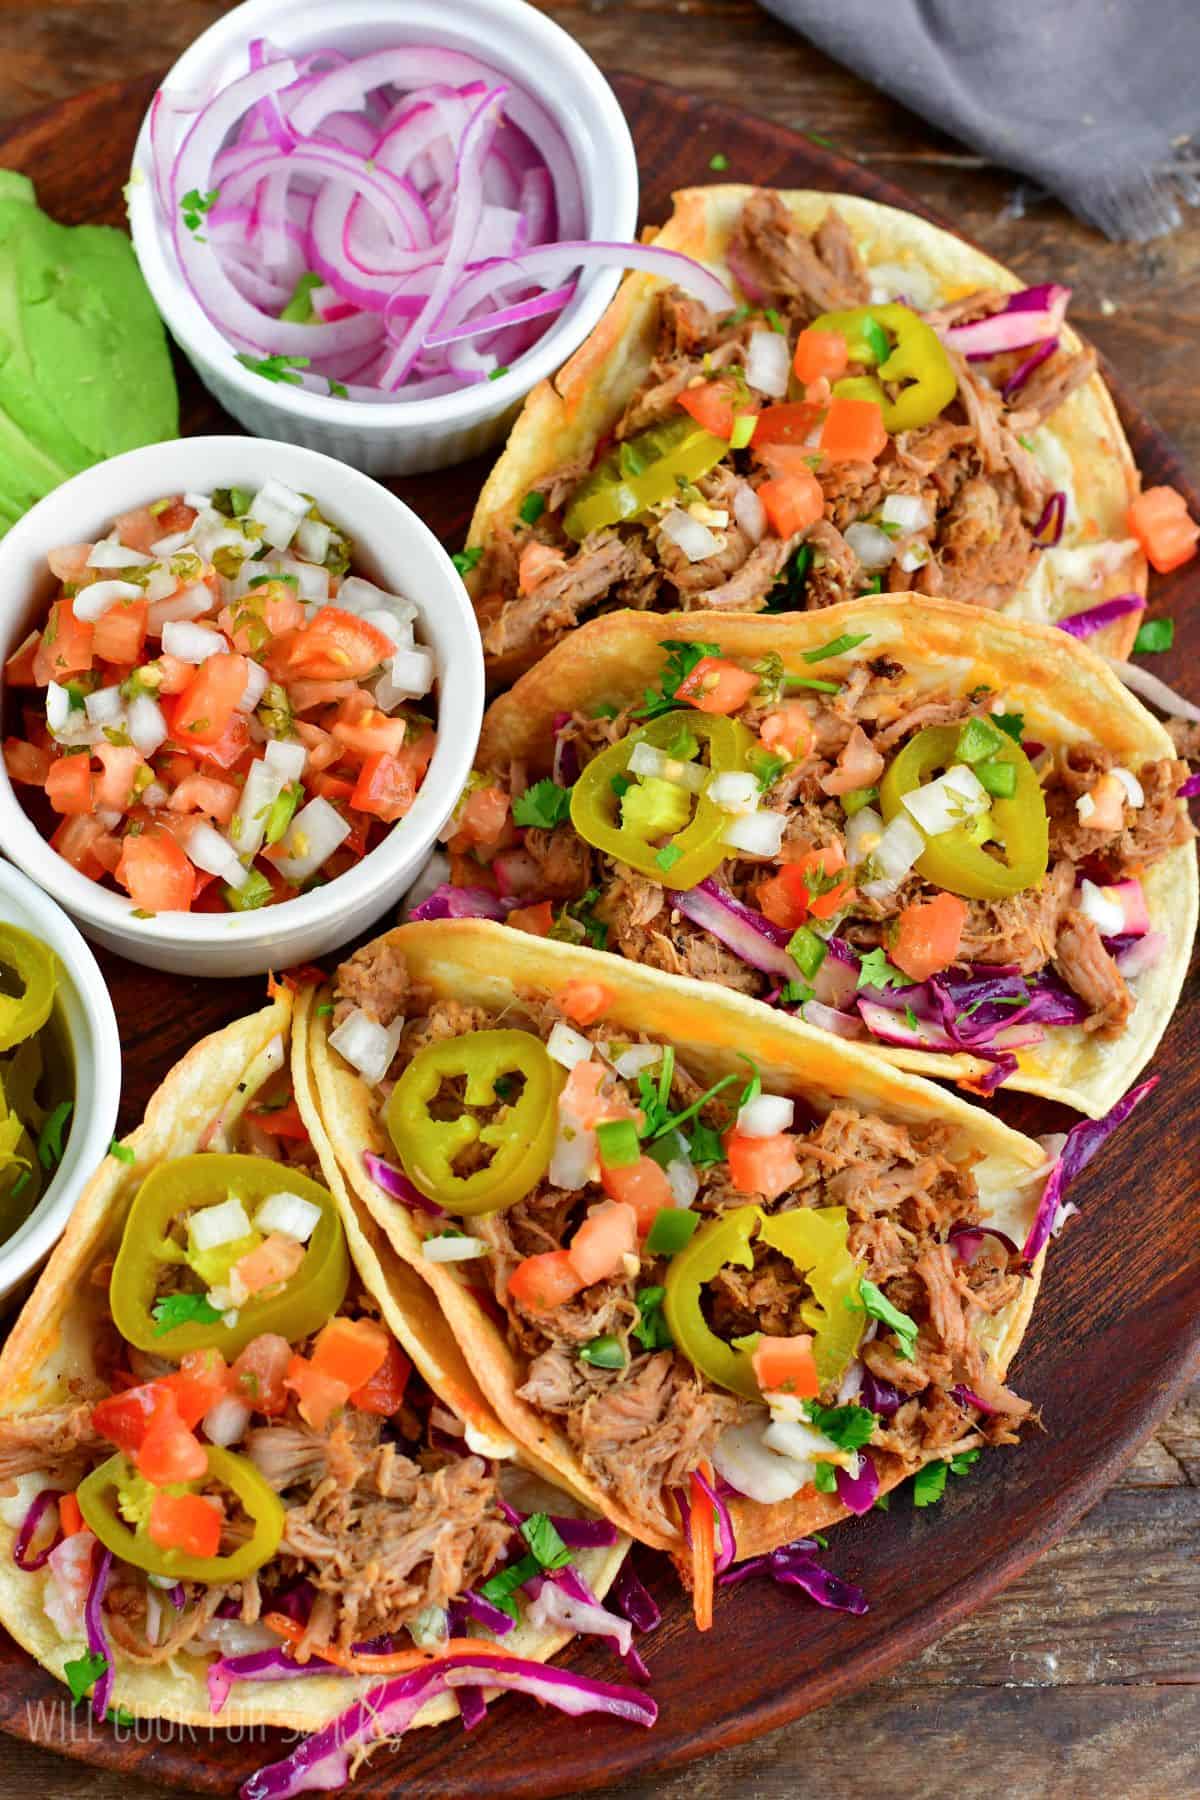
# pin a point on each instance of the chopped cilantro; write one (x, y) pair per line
(274, 368)
(857, 799)
(541, 1534)
(679, 665)
(719, 163)
(621, 784)
(824, 1478)
(606, 1352)
(883, 1503)
(667, 857)
(194, 205)
(820, 1540)
(738, 316)
(849, 1427)
(753, 1087)
(581, 915)
(705, 1147)
(83, 1672)
(466, 560)
(878, 1306)
(810, 681)
(684, 746)
(966, 1459)
(605, 710)
(299, 309)
(651, 1330)
(1011, 723)
(499, 1589)
(774, 321)
(174, 1310)
(929, 1483)
(338, 389)
(120, 1715)
(837, 646)
(787, 595)
(50, 1137)
(766, 768)
(874, 586)
(531, 508)
(817, 137)
(914, 1024)
(796, 993)
(122, 1152)
(544, 805)
(498, 371)
(1154, 635)
(325, 1009)
(876, 971)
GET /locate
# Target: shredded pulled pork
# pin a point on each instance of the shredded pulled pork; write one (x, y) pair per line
(374, 980)
(54, 1442)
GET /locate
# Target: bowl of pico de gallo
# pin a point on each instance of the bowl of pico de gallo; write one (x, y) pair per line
(242, 686)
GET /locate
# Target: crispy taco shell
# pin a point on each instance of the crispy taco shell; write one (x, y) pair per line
(48, 1360)
(1082, 448)
(1066, 691)
(481, 964)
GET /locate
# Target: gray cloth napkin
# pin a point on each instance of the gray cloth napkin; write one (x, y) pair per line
(1095, 100)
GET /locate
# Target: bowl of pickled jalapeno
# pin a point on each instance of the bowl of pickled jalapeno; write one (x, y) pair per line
(60, 1074)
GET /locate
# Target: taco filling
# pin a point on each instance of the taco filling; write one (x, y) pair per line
(893, 861)
(699, 1281)
(831, 436)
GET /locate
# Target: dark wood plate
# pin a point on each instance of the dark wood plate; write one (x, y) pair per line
(1116, 1336)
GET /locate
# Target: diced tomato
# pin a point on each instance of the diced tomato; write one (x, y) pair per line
(789, 425)
(788, 898)
(125, 1418)
(350, 1351)
(717, 685)
(785, 1365)
(788, 731)
(333, 646)
(202, 712)
(66, 646)
(1108, 804)
(26, 762)
(714, 405)
(120, 633)
(853, 430)
(585, 1001)
(642, 1185)
(119, 765)
(318, 1395)
(928, 935)
(19, 669)
(258, 1374)
(538, 561)
(281, 1122)
(543, 1282)
(70, 1517)
(270, 1263)
(140, 528)
(372, 732)
(204, 794)
(762, 1165)
(155, 873)
(229, 753)
(1160, 522)
(538, 919)
(170, 1452)
(609, 1233)
(383, 1391)
(69, 562)
(332, 787)
(69, 784)
(386, 786)
(201, 1379)
(175, 516)
(266, 613)
(174, 674)
(483, 820)
(792, 502)
(323, 748)
(304, 696)
(82, 841)
(465, 871)
(185, 1522)
(581, 1100)
(820, 354)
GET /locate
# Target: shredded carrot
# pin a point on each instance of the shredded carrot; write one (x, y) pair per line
(395, 1662)
(703, 1552)
(69, 1515)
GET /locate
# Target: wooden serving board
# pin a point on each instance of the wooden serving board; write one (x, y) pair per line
(1115, 1337)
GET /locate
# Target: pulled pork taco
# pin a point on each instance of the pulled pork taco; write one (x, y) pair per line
(247, 1473)
(883, 407)
(695, 1252)
(950, 836)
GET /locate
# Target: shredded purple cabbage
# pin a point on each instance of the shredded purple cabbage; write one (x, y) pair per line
(879, 1396)
(97, 1640)
(565, 771)
(450, 902)
(576, 1588)
(1052, 521)
(966, 1396)
(1023, 371)
(484, 1612)
(858, 1492)
(727, 1544)
(634, 1598)
(1083, 1141)
(795, 1566)
(259, 1665)
(966, 1241)
(29, 1525)
(396, 1184)
(1094, 618)
(584, 1534)
(1191, 786)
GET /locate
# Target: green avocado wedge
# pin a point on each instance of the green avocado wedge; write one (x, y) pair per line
(85, 371)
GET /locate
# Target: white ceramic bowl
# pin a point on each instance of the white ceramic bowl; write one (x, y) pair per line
(96, 1048)
(392, 547)
(403, 437)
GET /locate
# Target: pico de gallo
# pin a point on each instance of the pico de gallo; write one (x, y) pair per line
(217, 713)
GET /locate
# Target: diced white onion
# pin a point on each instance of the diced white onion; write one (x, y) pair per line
(893, 856)
(431, 1626)
(646, 760)
(864, 832)
(256, 686)
(359, 596)
(105, 706)
(757, 833)
(109, 817)
(1106, 914)
(750, 512)
(313, 538)
(797, 1440)
(873, 548)
(58, 706)
(226, 1421)
(366, 1045)
(385, 622)
(199, 503)
(453, 1249)
(286, 757)
(696, 541)
(915, 556)
(289, 1214)
(768, 363)
(279, 510)
(110, 553)
(93, 601)
(146, 724)
(312, 581)
(908, 281)
(189, 603)
(741, 1456)
(1085, 806)
(766, 1116)
(908, 511)
(568, 1047)
(210, 850)
(310, 840)
(159, 583)
(573, 1162)
(683, 1181)
(263, 786)
(408, 676)
(732, 791)
(174, 541)
(156, 794)
(638, 1057)
(211, 1226)
(1133, 787)
(948, 802)
(191, 643)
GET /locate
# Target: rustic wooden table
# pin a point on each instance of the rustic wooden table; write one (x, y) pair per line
(1083, 1679)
